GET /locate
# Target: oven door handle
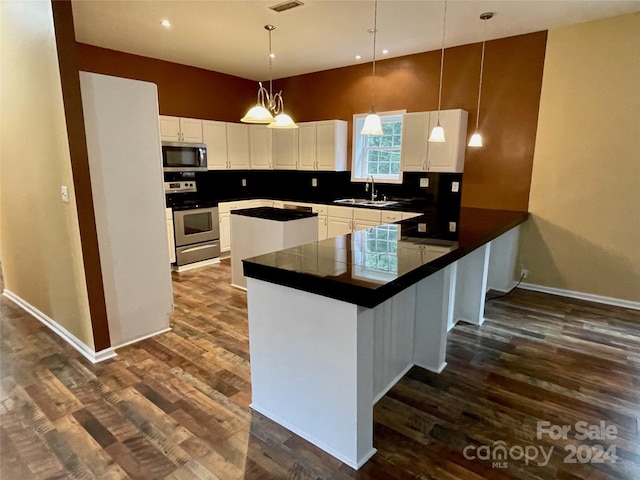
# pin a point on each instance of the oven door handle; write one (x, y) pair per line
(199, 247)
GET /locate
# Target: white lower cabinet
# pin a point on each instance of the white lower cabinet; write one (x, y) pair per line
(170, 238)
(323, 227)
(338, 226)
(225, 232)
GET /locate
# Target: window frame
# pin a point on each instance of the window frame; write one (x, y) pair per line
(358, 148)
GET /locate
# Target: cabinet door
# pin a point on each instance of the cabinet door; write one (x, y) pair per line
(338, 226)
(170, 238)
(307, 146)
(448, 156)
(191, 129)
(363, 225)
(260, 147)
(391, 217)
(285, 148)
(169, 128)
(214, 136)
(238, 146)
(323, 224)
(225, 232)
(415, 132)
(331, 145)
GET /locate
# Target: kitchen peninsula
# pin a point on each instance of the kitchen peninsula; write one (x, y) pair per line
(334, 324)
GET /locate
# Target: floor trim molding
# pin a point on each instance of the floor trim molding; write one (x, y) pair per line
(591, 297)
(66, 335)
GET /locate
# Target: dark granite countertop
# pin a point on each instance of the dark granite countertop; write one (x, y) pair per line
(276, 214)
(370, 266)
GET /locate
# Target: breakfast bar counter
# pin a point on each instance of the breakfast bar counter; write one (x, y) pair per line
(334, 324)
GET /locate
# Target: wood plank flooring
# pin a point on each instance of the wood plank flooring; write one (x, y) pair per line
(176, 406)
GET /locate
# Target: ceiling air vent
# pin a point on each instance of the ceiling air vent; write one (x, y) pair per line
(281, 7)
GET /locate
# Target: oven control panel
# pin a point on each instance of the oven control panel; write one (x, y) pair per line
(180, 187)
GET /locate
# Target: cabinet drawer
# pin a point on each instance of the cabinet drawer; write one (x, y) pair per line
(341, 212)
(391, 217)
(368, 214)
(319, 209)
(406, 215)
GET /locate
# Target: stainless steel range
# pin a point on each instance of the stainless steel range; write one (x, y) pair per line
(196, 224)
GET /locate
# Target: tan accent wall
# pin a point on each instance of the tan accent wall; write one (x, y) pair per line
(584, 234)
(41, 252)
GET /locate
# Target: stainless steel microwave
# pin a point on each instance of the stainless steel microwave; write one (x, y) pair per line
(184, 157)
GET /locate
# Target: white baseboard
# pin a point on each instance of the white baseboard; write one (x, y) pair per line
(88, 353)
(144, 337)
(590, 297)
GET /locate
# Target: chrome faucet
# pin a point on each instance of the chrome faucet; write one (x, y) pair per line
(373, 188)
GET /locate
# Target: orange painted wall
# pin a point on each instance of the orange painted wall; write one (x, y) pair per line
(496, 176)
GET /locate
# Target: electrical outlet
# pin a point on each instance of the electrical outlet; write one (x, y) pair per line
(314, 182)
(64, 193)
(455, 187)
(422, 227)
(452, 226)
(524, 273)
(244, 182)
(424, 182)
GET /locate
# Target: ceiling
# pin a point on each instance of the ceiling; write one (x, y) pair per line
(228, 36)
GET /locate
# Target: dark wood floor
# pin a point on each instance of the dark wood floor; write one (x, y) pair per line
(176, 406)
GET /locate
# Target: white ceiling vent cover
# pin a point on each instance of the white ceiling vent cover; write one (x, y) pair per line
(281, 7)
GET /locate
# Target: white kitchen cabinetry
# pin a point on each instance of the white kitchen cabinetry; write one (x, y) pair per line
(171, 241)
(364, 218)
(340, 221)
(323, 227)
(225, 231)
(214, 136)
(307, 146)
(285, 148)
(238, 146)
(420, 155)
(391, 217)
(322, 145)
(331, 145)
(260, 147)
(178, 129)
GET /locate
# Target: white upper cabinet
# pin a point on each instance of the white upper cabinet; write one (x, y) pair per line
(307, 146)
(178, 129)
(415, 131)
(214, 136)
(448, 156)
(322, 145)
(331, 145)
(420, 155)
(260, 147)
(285, 148)
(238, 146)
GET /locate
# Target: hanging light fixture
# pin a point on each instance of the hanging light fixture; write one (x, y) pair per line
(437, 134)
(476, 138)
(269, 105)
(372, 125)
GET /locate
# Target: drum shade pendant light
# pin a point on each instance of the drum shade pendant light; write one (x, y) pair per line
(269, 105)
(476, 138)
(437, 134)
(372, 125)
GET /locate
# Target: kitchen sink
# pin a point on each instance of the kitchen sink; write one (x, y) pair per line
(365, 202)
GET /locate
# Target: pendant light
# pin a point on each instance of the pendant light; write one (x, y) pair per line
(269, 105)
(437, 134)
(476, 138)
(372, 125)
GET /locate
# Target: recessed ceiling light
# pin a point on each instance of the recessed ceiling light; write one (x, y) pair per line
(358, 57)
(385, 51)
(165, 23)
(272, 55)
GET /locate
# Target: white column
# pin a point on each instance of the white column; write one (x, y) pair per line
(471, 286)
(502, 261)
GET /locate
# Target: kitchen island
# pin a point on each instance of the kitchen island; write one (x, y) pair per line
(334, 324)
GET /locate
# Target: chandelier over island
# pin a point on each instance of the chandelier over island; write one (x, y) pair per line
(269, 108)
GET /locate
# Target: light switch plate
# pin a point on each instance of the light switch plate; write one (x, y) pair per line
(424, 182)
(452, 226)
(64, 193)
(422, 227)
(455, 187)
(314, 182)
(244, 182)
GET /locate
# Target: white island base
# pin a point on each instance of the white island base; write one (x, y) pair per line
(318, 365)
